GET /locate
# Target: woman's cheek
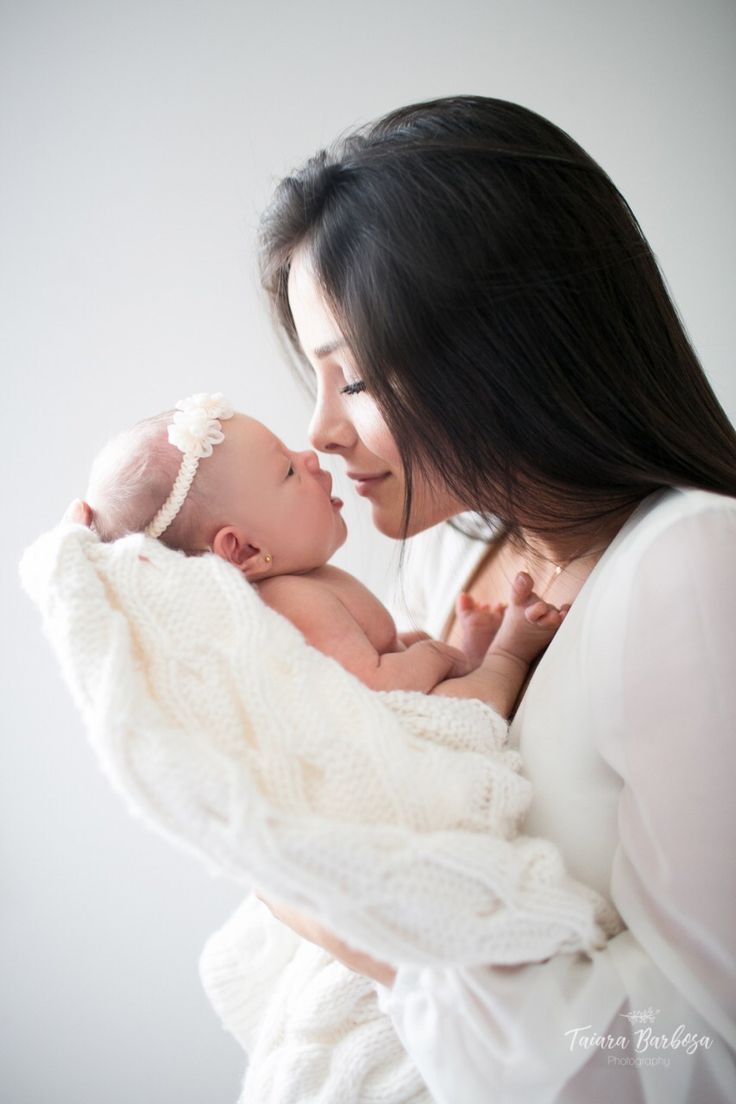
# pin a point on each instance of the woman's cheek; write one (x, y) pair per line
(375, 434)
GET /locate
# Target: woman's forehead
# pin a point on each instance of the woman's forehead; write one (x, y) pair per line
(319, 333)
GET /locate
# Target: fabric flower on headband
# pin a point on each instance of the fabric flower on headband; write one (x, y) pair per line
(196, 428)
(194, 431)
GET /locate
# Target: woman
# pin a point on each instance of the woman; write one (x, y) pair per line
(489, 331)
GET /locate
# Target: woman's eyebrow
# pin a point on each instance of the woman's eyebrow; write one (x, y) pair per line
(323, 351)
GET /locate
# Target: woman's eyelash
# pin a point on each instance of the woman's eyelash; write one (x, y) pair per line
(353, 388)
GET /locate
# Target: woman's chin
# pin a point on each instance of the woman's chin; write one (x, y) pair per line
(387, 522)
(391, 522)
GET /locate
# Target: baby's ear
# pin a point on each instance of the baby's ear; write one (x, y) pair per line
(78, 512)
(231, 544)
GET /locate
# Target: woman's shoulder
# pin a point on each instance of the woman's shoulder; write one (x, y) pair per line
(675, 503)
(674, 541)
(673, 534)
(663, 594)
(668, 515)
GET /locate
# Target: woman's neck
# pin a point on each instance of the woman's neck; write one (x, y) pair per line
(562, 563)
(565, 548)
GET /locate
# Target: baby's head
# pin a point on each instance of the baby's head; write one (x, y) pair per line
(259, 505)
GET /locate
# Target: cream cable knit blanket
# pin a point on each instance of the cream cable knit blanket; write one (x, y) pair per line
(394, 818)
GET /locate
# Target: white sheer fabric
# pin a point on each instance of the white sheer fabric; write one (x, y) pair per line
(628, 733)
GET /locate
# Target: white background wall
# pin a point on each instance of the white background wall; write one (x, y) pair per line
(139, 142)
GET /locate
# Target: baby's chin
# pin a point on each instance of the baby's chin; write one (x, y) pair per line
(341, 540)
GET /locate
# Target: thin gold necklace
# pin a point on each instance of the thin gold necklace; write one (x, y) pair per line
(555, 575)
(560, 569)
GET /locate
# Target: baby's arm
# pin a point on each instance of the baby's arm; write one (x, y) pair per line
(328, 625)
(527, 627)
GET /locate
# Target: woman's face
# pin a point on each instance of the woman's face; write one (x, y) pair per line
(347, 421)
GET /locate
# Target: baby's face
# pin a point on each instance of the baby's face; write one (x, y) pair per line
(279, 501)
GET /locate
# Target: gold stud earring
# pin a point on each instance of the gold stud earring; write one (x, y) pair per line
(268, 557)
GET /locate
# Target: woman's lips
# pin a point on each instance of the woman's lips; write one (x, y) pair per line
(365, 483)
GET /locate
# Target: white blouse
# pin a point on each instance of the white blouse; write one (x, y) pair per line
(628, 733)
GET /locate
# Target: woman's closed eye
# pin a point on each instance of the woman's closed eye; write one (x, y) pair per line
(353, 388)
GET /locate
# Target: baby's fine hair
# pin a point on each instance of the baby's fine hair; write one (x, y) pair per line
(132, 477)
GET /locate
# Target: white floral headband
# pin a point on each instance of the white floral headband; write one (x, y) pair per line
(195, 429)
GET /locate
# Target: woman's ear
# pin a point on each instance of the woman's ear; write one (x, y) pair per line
(232, 545)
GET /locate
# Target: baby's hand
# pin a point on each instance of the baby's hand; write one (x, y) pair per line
(529, 623)
(479, 624)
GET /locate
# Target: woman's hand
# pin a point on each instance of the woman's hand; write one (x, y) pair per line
(309, 929)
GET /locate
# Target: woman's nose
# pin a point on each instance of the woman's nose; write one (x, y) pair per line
(329, 429)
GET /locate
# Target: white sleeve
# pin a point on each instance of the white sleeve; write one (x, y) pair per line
(509, 1035)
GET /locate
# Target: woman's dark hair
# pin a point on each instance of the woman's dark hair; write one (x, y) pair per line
(505, 311)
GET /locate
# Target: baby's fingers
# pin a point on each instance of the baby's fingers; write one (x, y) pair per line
(464, 603)
(544, 615)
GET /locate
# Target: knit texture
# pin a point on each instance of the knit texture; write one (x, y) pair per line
(393, 818)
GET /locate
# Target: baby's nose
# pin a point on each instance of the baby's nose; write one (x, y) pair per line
(311, 461)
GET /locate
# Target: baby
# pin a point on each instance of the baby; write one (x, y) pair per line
(270, 512)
